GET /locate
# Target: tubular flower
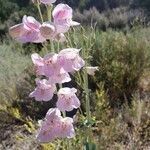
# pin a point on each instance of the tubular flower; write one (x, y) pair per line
(47, 30)
(27, 31)
(55, 126)
(66, 128)
(91, 70)
(44, 90)
(39, 64)
(51, 65)
(67, 99)
(60, 38)
(70, 60)
(61, 77)
(48, 2)
(62, 16)
(49, 126)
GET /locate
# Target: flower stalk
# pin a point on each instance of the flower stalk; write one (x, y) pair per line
(39, 9)
(49, 12)
(86, 89)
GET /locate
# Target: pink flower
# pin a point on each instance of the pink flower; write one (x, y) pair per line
(39, 64)
(62, 15)
(60, 38)
(47, 30)
(27, 31)
(44, 90)
(70, 60)
(67, 99)
(30, 23)
(49, 126)
(54, 126)
(48, 2)
(53, 113)
(54, 70)
(61, 77)
(17, 31)
(51, 65)
(91, 70)
(66, 128)
(48, 65)
(62, 12)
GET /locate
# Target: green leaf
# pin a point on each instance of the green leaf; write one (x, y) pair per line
(89, 146)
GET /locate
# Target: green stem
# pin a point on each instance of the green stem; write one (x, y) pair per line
(58, 47)
(64, 114)
(49, 12)
(87, 96)
(40, 13)
(45, 48)
(52, 47)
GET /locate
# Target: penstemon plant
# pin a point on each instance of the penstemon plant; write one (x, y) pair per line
(55, 69)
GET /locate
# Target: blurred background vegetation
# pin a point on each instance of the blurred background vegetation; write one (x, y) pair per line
(117, 35)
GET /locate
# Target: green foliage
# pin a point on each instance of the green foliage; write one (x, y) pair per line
(119, 18)
(122, 59)
(6, 8)
(100, 5)
(12, 64)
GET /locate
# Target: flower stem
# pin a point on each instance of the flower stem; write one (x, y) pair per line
(49, 12)
(87, 96)
(39, 9)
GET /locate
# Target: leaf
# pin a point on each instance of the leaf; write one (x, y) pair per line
(89, 146)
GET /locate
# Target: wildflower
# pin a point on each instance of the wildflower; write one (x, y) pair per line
(27, 31)
(30, 23)
(39, 64)
(51, 65)
(55, 126)
(49, 126)
(48, 2)
(48, 65)
(67, 99)
(60, 38)
(47, 30)
(66, 128)
(17, 31)
(91, 70)
(44, 90)
(61, 77)
(62, 16)
(70, 60)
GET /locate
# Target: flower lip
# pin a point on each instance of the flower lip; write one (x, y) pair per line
(55, 126)
(91, 70)
(48, 2)
(30, 23)
(66, 91)
(47, 30)
(67, 99)
(61, 12)
(44, 90)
